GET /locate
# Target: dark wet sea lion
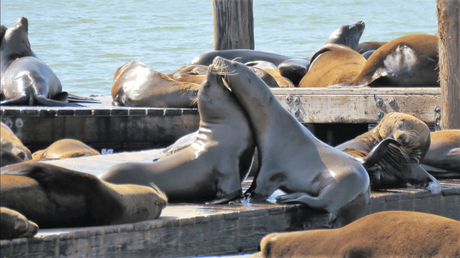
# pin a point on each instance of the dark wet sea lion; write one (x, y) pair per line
(308, 170)
(10, 142)
(397, 144)
(242, 55)
(369, 45)
(15, 225)
(333, 64)
(212, 167)
(294, 69)
(53, 196)
(271, 69)
(27, 80)
(443, 157)
(347, 35)
(382, 234)
(411, 60)
(137, 85)
(65, 148)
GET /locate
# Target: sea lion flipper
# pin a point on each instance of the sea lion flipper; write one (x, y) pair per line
(378, 152)
(226, 198)
(51, 102)
(15, 101)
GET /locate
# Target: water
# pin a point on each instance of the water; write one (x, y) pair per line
(85, 41)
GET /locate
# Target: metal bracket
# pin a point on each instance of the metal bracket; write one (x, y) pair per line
(437, 118)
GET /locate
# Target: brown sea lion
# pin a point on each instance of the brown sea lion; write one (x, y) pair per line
(308, 170)
(333, 64)
(15, 225)
(25, 79)
(369, 45)
(10, 142)
(411, 60)
(212, 167)
(137, 85)
(53, 196)
(7, 158)
(382, 234)
(65, 148)
(273, 70)
(392, 152)
(443, 157)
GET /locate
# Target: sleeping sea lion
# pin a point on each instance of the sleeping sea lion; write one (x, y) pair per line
(242, 55)
(308, 170)
(443, 157)
(15, 225)
(212, 167)
(137, 85)
(271, 69)
(10, 142)
(369, 45)
(392, 152)
(382, 234)
(53, 196)
(65, 148)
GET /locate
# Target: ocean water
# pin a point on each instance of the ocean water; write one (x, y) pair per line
(85, 41)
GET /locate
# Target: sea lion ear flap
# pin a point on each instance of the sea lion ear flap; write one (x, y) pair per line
(378, 152)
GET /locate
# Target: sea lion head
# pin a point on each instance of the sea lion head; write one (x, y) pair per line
(15, 42)
(412, 133)
(347, 35)
(16, 225)
(160, 199)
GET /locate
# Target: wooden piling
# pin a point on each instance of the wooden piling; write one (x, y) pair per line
(233, 24)
(449, 62)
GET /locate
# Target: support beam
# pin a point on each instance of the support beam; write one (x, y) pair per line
(449, 62)
(233, 24)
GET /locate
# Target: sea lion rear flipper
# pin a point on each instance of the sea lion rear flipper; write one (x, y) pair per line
(76, 98)
(15, 101)
(226, 198)
(51, 102)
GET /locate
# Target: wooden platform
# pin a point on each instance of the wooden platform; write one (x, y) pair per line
(185, 230)
(103, 126)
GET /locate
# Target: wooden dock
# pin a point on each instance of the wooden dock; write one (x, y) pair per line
(186, 230)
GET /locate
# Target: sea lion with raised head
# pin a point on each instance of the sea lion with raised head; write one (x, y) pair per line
(382, 234)
(15, 225)
(25, 79)
(392, 151)
(308, 170)
(53, 196)
(408, 61)
(347, 35)
(65, 148)
(137, 85)
(212, 167)
(11, 143)
(333, 64)
(443, 157)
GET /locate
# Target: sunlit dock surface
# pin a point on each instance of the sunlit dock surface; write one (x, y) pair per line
(185, 230)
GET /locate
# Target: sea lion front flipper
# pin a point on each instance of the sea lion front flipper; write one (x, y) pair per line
(378, 152)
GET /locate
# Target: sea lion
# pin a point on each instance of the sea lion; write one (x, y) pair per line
(410, 60)
(53, 196)
(242, 55)
(271, 69)
(443, 157)
(308, 170)
(392, 152)
(11, 142)
(210, 169)
(294, 69)
(382, 234)
(333, 64)
(25, 79)
(369, 45)
(137, 85)
(64, 148)
(347, 35)
(15, 225)
(368, 54)
(7, 158)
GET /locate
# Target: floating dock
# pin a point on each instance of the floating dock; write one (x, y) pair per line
(187, 230)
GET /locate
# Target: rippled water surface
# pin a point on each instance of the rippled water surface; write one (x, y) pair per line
(84, 41)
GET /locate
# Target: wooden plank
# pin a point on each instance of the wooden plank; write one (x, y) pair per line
(449, 65)
(364, 105)
(233, 24)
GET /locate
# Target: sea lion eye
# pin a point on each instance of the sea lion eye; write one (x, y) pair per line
(157, 202)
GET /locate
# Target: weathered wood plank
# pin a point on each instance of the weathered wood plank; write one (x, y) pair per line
(233, 24)
(449, 62)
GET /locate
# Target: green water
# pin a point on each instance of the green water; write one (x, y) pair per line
(84, 42)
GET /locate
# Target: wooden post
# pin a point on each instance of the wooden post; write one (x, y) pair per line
(449, 62)
(233, 24)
